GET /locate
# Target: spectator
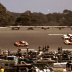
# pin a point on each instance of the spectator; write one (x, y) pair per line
(46, 69)
(43, 49)
(2, 69)
(27, 50)
(68, 66)
(8, 52)
(59, 49)
(39, 48)
(19, 53)
(30, 69)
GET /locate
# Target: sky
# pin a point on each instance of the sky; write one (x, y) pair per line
(43, 6)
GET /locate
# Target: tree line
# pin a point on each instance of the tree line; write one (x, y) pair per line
(28, 18)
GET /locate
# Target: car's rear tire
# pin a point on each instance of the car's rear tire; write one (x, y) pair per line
(16, 45)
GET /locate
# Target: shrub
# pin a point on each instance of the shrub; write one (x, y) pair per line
(30, 28)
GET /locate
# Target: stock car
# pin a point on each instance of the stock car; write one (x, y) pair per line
(21, 44)
(67, 36)
(68, 41)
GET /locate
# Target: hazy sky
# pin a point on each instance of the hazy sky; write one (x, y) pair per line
(44, 6)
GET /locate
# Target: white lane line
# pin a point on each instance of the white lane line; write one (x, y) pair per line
(55, 34)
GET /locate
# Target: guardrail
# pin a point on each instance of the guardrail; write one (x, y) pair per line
(26, 27)
(34, 26)
(40, 26)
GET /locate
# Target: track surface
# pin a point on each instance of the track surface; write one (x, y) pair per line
(34, 38)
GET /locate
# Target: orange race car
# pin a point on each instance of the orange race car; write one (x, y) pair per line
(21, 44)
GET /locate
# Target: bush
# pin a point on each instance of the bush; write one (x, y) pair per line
(43, 28)
(30, 28)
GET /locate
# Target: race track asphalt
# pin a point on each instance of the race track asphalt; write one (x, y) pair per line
(34, 38)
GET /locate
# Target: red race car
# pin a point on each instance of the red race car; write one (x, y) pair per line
(21, 44)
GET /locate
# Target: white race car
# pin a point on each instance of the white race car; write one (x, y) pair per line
(68, 41)
(67, 36)
(21, 44)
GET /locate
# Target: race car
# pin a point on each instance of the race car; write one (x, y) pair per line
(67, 36)
(21, 44)
(68, 41)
